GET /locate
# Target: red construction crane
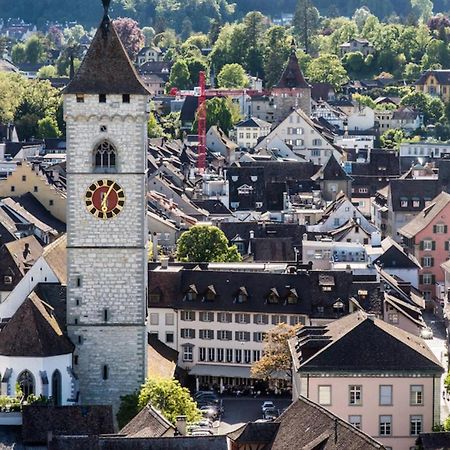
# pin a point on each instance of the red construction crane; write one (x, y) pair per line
(201, 121)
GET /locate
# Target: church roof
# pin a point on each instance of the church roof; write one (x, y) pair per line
(106, 68)
(33, 331)
(292, 76)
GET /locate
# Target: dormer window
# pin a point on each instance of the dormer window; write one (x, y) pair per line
(292, 297)
(105, 157)
(210, 294)
(191, 294)
(273, 296)
(80, 98)
(242, 295)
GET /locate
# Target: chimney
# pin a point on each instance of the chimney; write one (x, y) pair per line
(252, 236)
(180, 424)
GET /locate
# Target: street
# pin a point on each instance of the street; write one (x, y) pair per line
(245, 409)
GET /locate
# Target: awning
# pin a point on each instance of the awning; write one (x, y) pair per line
(215, 370)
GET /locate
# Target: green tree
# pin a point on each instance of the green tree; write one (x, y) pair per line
(423, 9)
(354, 63)
(327, 68)
(275, 54)
(195, 66)
(276, 355)
(154, 129)
(47, 72)
(364, 100)
(165, 395)
(12, 87)
(180, 76)
(205, 243)
(18, 54)
(411, 72)
(253, 31)
(74, 34)
(169, 397)
(35, 49)
(232, 76)
(392, 138)
(149, 34)
(48, 128)
(306, 22)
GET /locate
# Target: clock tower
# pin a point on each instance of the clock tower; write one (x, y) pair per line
(106, 111)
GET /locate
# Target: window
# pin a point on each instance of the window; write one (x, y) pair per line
(105, 157)
(206, 334)
(26, 382)
(206, 316)
(80, 98)
(355, 395)
(404, 203)
(229, 352)
(105, 315)
(224, 335)
(211, 354)
(24, 178)
(238, 355)
(295, 320)
(336, 222)
(416, 203)
(277, 319)
(187, 333)
(125, 98)
(317, 142)
(210, 294)
(385, 395)
(78, 281)
(393, 317)
(416, 394)
(188, 315)
(187, 353)
(105, 371)
(427, 261)
(415, 425)
(224, 317)
(102, 98)
(13, 188)
(50, 202)
(154, 319)
(220, 353)
(261, 319)
(440, 228)
(242, 336)
(385, 425)
(170, 319)
(242, 295)
(35, 189)
(202, 353)
(273, 296)
(256, 355)
(169, 337)
(324, 395)
(242, 318)
(427, 245)
(292, 297)
(427, 278)
(355, 421)
(75, 360)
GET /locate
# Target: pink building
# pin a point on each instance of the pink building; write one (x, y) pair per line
(376, 376)
(426, 236)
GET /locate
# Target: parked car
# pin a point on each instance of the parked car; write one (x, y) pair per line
(270, 414)
(426, 333)
(210, 411)
(266, 405)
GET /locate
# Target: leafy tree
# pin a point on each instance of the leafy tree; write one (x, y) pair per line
(47, 72)
(11, 90)
(205, 243)
(360, 16)
(195, 66)
(306, 22)
(171, 125)
(154, 129)
(198, 40)
(180, 76)
(232, 76)
(432, 107)
(411, 72)
(221, 112)
(169, 397)
(130, 34)
(165, 395)
(18, 54)
(392, 138)
(276, 356)
(275, 54)
(364, 100)
(423, 9)
(327, 68)
(55, 37)
(35, 49)
(354, 63)
(74, 34)
(48, 128)
(149, 34)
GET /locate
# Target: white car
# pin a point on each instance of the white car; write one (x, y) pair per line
(267, 405)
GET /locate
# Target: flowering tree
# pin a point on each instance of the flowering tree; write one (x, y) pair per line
(130, 34)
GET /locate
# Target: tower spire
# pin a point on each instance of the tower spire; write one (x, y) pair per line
(106, 4)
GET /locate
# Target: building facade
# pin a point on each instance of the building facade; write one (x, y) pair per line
(105, 108)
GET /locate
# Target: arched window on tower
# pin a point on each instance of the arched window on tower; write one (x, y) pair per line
(26, 382)
(105, 157)
(56, 387)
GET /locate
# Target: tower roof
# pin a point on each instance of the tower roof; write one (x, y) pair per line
(292, 76)
(106, 68)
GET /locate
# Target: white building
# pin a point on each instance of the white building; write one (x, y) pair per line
(248, 132)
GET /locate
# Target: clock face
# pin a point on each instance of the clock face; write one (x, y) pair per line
(104, 199)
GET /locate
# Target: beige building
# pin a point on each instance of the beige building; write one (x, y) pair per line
(26, 179)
